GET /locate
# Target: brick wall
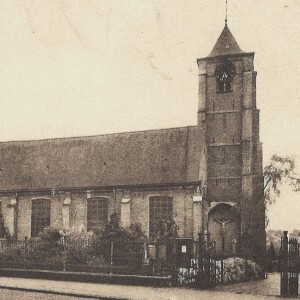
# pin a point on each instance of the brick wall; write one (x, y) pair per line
(182, 208)
(139, 208)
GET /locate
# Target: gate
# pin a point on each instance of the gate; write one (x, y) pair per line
(289, 266)
(206, 277)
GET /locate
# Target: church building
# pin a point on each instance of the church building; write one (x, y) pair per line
(208, 177)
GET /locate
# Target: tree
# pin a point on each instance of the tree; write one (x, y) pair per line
(280, 168)
(113, 230)
(271, 257)
(274, 237)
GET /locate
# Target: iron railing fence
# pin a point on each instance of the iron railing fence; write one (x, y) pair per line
(289, 266)
(190, 262)
(92, 255)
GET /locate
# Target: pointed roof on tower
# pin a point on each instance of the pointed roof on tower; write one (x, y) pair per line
(226, 44)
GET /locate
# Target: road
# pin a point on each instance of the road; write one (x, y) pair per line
(267, 287)
(7, 294)
(261, 289)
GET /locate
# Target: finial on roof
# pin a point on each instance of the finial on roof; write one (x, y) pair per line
(226, 15)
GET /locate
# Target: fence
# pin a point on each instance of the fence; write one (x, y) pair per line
(120, 256)
(189, 262)
(289, 266)
(205, 269)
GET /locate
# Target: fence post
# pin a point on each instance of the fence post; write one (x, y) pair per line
(222, 268)
(25, 251)
(145, 258)
(111, 255)
(64, 253)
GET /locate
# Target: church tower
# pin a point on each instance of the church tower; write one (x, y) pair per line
(233, 206)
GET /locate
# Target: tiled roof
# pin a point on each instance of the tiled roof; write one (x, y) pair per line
(137, 158)
(226, 44)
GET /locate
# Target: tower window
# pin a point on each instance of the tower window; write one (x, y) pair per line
(224, 77)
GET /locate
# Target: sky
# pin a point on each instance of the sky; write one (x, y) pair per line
(78, 68)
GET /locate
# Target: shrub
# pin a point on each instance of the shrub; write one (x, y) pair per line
(237, 269)
(78, 247)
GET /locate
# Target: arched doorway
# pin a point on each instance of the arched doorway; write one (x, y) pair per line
(223, 225)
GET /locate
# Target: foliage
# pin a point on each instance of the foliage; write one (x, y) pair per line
(237, 269)
(279, 168)
(274, 237)
(50, 235)
(271, 254)
(76, 247)
(295, 233)
(136, 233)
(84, 254)
(14, 256)
(271, 258)
(167, 229)
(113, 230)
(6, 234)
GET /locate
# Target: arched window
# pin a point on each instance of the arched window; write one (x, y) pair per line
(97, 213)
(160, 211)
(224, 77)
(40, 215)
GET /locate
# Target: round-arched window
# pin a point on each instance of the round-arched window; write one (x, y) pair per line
(224, 77)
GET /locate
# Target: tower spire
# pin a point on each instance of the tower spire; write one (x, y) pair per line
(226, 14)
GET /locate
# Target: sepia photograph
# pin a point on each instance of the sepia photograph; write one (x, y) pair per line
(149, 149)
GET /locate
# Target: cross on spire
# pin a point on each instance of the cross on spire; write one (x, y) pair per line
(226, 13)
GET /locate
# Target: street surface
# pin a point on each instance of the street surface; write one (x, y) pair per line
(266, 287)
(261, 289)
(6, 294)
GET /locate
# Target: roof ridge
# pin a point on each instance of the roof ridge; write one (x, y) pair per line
(94, 136)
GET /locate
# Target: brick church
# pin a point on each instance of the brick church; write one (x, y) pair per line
(208, 176)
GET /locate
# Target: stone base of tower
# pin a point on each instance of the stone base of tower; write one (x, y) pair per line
(253, 235)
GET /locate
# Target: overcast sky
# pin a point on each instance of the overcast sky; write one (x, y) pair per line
(84, 67)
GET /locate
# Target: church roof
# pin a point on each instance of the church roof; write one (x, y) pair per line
(135, 158)
(226, 44)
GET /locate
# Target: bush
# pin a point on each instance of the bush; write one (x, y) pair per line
(83, 255)
(236, 269)
(78, 247)
(113, 230)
